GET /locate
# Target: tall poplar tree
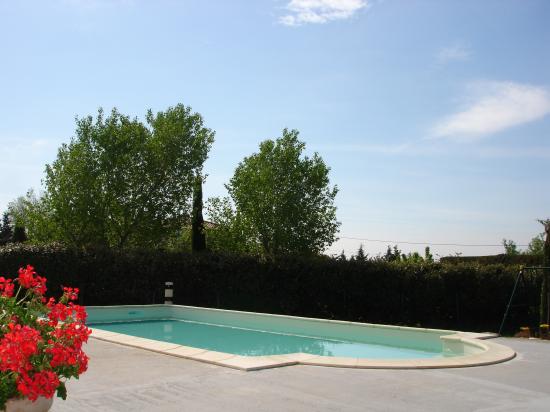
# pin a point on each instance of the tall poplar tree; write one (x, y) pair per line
(284, 199)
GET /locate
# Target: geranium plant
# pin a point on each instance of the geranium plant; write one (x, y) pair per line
(40, 339)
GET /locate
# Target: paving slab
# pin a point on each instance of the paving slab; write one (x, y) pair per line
(122, 378)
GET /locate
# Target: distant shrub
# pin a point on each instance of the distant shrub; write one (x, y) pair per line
(505, 259)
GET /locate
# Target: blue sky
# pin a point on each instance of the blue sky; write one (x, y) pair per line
(434, 116)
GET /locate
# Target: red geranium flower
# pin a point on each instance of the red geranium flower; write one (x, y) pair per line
(40, 340)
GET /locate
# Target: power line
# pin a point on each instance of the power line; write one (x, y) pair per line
(421, 243)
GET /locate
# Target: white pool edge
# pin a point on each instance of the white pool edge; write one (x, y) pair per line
(492, 352)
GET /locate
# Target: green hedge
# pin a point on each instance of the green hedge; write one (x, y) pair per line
(458, 296)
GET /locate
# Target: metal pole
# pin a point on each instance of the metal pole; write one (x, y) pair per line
(168, 292)
(520, 275)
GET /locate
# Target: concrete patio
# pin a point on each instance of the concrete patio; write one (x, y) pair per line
(127, 379)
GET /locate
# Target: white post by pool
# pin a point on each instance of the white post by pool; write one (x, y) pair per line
(168, 292)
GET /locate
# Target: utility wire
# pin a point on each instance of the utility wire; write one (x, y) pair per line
(421, 243)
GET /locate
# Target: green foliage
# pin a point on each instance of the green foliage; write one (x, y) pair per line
(228, 232)
(412, 257)
(395, 255)
(392, 254)
(119, 182)
(510, 247)
(8, 388)
(36, 216)
(181, 241)
(536, 245)
(458, 296)
(283, 199)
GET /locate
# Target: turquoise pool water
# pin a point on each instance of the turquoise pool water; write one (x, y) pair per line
(253, 342)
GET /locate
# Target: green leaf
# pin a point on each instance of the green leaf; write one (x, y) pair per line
(62, 391)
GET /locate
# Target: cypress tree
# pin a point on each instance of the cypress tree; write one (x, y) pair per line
(361, 257)
(198, 238)
(428, 257)
(6, 233)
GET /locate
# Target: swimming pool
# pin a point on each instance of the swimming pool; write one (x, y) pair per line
(248, 341)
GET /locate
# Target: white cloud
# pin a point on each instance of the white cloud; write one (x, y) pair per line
(320, 11)
(456, 52)
(496, 106)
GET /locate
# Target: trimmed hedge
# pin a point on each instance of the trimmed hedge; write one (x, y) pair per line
(458, 296)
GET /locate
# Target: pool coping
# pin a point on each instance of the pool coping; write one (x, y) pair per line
(492, 352)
